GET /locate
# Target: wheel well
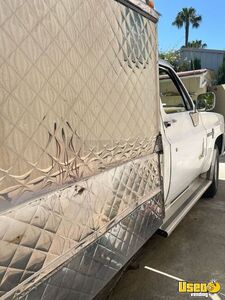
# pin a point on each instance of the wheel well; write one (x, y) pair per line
(219, 143)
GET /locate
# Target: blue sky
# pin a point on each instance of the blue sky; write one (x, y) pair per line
(211, 31)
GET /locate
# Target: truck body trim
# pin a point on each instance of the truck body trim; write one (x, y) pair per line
(142, 8)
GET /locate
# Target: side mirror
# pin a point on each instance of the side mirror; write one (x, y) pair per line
(206, 101)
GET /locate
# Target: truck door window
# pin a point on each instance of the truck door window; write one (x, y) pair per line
(171, 98)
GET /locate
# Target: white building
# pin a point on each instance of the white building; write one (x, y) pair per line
(210, 59)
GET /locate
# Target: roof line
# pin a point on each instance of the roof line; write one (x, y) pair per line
(203, 50)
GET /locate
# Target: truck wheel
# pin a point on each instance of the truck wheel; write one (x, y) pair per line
(212, 190)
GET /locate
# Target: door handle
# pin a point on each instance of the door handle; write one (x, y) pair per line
(169, 123)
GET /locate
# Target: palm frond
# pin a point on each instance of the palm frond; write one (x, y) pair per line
(179, 21)
(195, 21)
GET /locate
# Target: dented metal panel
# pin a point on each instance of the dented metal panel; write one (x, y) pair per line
(78, 92)
(79, 123)
(42, 235)
(84, 276)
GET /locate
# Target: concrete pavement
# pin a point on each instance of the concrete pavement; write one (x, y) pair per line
(195, 251)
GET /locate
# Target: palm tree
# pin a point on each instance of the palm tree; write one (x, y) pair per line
(197, 44)
(187, 17)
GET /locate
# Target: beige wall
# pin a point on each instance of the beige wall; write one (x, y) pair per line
(220, 99)
(194, 85)
(198, 84)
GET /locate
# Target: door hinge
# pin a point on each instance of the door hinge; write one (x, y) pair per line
(212, 133)
(158, 145)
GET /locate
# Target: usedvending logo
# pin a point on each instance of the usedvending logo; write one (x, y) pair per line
(199, 289)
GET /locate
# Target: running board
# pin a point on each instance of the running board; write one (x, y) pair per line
(178, 209)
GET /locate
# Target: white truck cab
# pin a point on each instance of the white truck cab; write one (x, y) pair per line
(193, 139)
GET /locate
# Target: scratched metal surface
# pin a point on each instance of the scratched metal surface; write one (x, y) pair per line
(86, 274)
(78, 124)
(39, 235)
(78, 83)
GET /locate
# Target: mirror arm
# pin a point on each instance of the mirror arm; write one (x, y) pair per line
(195, 110)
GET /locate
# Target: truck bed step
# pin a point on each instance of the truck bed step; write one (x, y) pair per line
(176, 211)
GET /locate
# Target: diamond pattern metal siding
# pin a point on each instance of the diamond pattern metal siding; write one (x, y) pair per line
(77, 92)
(86, 274)
(38, 235)
(78, 124)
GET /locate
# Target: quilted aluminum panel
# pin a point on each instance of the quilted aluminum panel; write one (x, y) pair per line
(78, 92)
(79, 120)
(84, 276)
(38, 236)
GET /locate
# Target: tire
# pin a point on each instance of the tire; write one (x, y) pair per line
(213, 188)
